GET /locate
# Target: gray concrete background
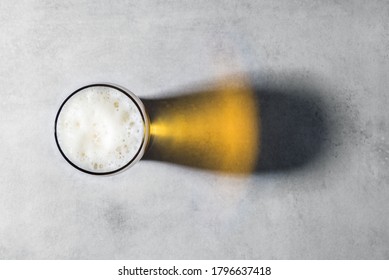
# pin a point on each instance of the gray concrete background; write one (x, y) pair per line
(335, 207)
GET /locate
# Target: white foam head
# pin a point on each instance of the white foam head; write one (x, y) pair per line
(101, 129)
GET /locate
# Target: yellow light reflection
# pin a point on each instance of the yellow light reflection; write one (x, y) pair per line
(217, 129)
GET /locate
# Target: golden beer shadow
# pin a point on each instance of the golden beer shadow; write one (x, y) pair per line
(236, 127)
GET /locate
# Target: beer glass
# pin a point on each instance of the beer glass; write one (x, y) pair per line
(102, 129)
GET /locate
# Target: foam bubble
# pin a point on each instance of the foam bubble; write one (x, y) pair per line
(100, 129)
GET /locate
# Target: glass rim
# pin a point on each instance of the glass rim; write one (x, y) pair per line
(146, 125)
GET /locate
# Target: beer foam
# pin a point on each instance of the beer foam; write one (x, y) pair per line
(100, 129)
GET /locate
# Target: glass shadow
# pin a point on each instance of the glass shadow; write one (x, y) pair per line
(238, 127)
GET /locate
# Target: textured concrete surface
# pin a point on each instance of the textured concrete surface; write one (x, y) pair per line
(334, 207)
